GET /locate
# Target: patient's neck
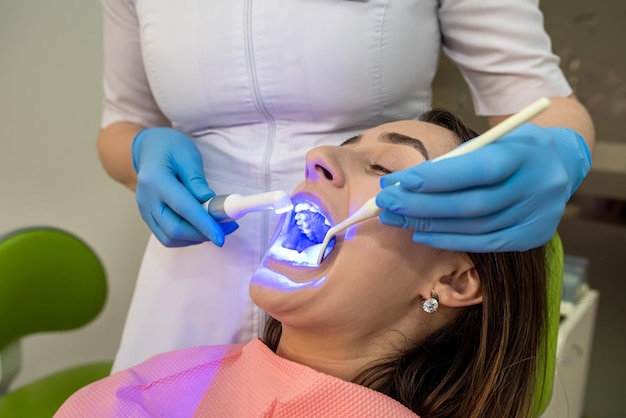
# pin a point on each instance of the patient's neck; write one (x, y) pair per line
(342, 356)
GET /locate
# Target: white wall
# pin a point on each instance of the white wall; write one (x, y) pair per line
(50, 102)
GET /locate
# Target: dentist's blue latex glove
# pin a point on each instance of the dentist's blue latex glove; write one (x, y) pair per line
(507, 196)
(170, 188)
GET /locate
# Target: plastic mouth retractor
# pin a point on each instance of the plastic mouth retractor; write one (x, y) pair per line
(230, 207)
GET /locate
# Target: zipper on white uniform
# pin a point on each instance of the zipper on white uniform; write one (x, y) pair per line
(258, 317)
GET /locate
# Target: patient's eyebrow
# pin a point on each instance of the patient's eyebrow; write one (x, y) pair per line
(394, 138)
(354, 140)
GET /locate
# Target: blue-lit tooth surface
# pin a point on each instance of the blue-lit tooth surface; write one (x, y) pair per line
(311, 223)
(300, 240)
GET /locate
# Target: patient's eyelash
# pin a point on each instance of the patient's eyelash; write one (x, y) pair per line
(379, 169)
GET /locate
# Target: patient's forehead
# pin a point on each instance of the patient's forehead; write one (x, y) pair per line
(436, 139)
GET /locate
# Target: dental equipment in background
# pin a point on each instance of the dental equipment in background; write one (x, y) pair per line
(370, 210)
(229, 207)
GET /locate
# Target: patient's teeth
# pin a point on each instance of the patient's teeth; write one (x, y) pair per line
(310, 221)
(304, 227)
(302, 206)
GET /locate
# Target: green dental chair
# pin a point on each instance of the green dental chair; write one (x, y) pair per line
(50, 280)
(545, 375)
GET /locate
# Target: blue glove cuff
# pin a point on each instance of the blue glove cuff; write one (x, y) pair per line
(574, 153)
(135, 149)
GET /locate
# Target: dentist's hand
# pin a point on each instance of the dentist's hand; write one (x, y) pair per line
(507, 196)
(170, 188)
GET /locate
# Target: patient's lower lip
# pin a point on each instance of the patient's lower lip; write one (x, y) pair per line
(271, 278)
(293, 273)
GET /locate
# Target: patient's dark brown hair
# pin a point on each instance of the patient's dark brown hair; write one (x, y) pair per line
(483, 364)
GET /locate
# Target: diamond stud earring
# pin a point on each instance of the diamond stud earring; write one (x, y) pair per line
(431, 304)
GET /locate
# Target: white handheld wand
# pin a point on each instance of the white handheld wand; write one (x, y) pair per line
(230, 207)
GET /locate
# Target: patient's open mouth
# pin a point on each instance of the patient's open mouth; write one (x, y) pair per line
(299, 240)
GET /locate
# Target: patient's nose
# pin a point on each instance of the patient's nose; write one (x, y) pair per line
(322, 165)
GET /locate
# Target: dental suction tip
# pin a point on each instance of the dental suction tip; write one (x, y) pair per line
(322, 251)
(368, 210)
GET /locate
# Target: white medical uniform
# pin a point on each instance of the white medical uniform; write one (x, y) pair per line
(256, 83)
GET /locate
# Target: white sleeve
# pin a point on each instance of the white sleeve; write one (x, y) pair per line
(127, 95)
(503, 52)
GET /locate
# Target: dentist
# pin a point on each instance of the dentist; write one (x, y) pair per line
(226, 96)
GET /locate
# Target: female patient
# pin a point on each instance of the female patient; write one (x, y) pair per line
(383, 327)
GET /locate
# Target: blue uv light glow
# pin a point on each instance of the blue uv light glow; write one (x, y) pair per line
(282, 210)
(305, 258)
(298, 242)
(269, 278)
(200, 380)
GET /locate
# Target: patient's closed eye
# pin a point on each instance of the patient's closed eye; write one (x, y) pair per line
(379, 169)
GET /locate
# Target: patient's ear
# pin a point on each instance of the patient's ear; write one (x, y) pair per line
(460, 288)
